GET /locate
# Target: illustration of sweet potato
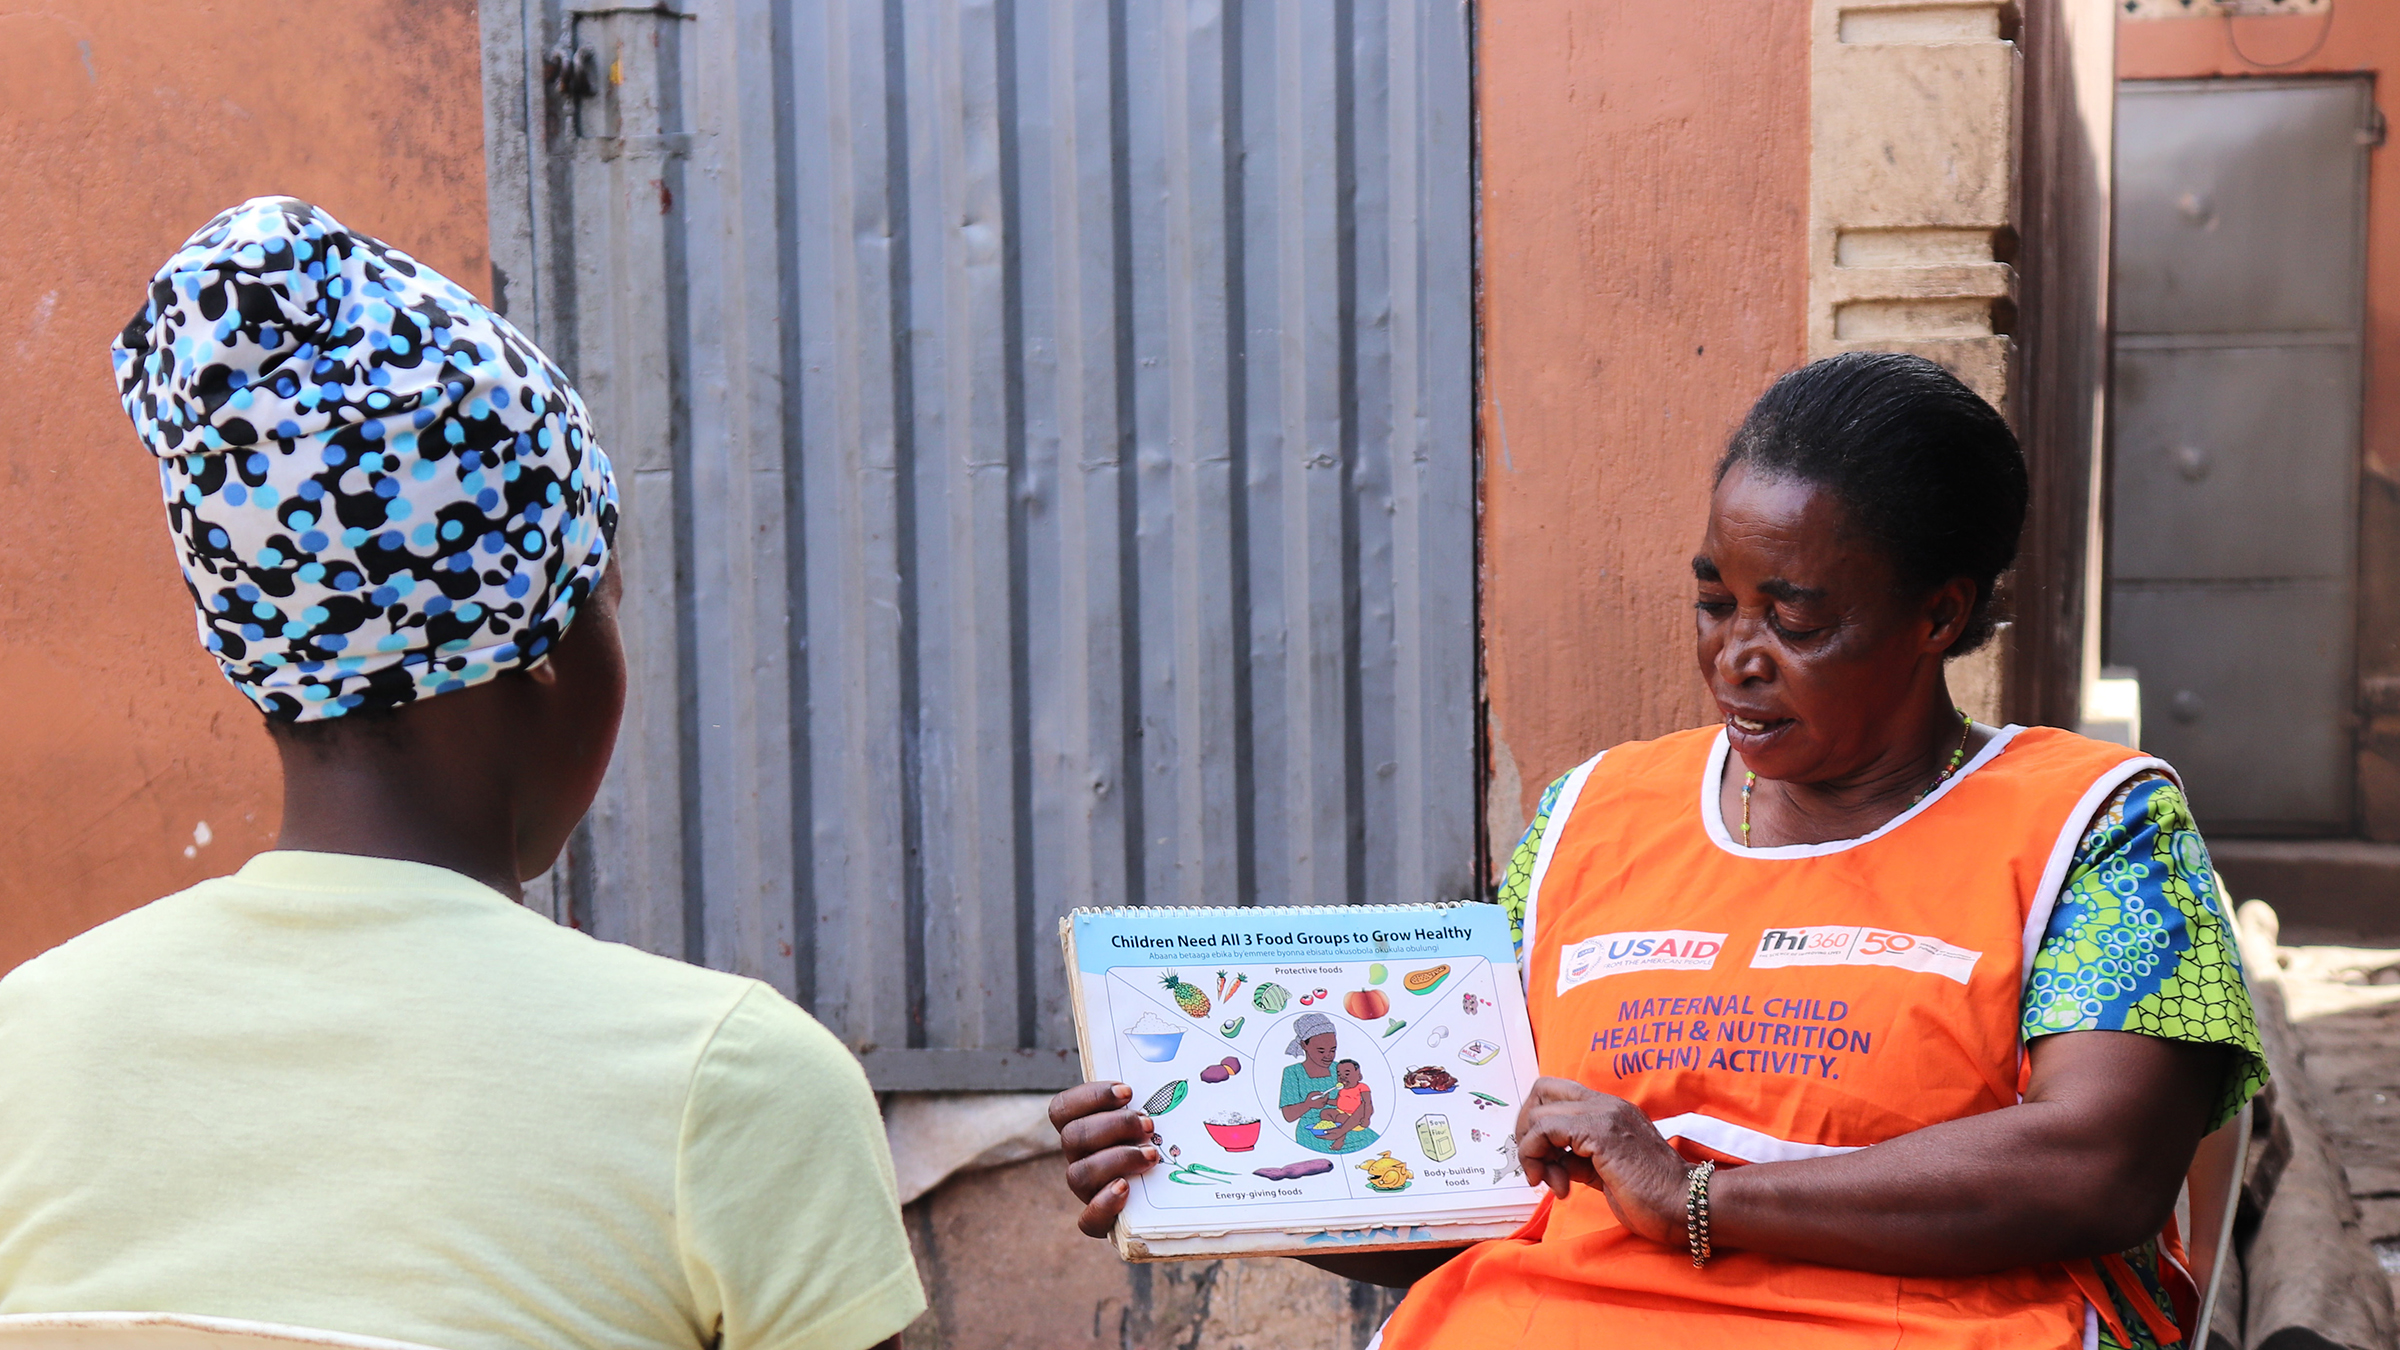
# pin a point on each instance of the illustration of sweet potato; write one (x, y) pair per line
(1295, 1171)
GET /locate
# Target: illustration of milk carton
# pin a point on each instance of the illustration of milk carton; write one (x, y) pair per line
(1433, 1136)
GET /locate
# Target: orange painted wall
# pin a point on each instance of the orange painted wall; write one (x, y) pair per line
(1645, 212)
(124, 125)
(2362, 38)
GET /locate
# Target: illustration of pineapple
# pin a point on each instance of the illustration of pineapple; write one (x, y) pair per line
(1187, 995)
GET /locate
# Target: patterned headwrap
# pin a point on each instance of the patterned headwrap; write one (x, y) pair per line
(1308, 1028)
(378, 488)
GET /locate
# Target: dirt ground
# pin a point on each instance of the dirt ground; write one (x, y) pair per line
(2344, 1004)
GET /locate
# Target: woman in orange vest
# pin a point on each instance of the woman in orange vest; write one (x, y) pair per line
(1943, 1009)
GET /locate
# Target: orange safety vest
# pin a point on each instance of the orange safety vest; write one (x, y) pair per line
(1771, 1004)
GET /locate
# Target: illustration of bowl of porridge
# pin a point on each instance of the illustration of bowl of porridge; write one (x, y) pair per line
(1233, 1131)
(1155, 1038)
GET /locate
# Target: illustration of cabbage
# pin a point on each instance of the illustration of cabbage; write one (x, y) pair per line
(1271, 997)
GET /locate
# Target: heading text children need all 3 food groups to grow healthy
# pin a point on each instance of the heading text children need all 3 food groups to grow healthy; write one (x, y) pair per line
(1373, 940)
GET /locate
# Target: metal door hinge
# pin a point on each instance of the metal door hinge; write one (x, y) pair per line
(2373, 133)
(571, 71)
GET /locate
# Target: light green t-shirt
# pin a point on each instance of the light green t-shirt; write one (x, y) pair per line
(377, 1097)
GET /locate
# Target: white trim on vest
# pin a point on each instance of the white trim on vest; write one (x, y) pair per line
(1712, 811)
(2062, 852)
(1740, 1141)
(1552, 828)
(1712, 817)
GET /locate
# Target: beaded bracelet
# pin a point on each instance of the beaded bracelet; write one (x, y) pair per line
(1695, 1212)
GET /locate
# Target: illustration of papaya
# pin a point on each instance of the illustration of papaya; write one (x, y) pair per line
(1425, 981)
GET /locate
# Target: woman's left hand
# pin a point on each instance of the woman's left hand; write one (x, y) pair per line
(1568, 1133)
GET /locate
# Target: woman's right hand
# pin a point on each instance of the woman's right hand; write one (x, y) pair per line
(1305, 1105)
(1106, 1142)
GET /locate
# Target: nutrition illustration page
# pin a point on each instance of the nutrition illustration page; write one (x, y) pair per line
(1311, 1066)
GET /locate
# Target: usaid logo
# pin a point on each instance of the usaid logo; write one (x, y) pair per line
(1842, 945)
(1617, 953)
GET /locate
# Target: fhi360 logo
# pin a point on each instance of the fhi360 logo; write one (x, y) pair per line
(1839, 945)
(1617, 953)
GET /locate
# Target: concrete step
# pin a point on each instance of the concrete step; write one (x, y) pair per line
(2341, 892)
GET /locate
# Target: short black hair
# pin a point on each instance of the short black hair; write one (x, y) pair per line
(1351, 1062)
(326, 737)
(1928, 470)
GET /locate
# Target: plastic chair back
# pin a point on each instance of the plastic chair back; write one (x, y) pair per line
(2216, 1171)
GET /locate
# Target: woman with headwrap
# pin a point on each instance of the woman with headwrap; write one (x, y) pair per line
(1311, 1086)
(356, 1086)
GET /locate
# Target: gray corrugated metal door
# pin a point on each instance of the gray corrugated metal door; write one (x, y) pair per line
(2239, 296)
(1045, 438)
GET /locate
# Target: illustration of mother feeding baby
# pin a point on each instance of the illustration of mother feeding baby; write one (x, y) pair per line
(1331, 1104)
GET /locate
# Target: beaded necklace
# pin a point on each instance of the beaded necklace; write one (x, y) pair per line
(1957, 757)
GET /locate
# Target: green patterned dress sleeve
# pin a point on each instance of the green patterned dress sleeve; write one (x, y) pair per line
(2140, 941)
(1518, 881)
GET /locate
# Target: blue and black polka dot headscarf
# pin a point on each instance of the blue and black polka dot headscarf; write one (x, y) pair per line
(379, 489)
